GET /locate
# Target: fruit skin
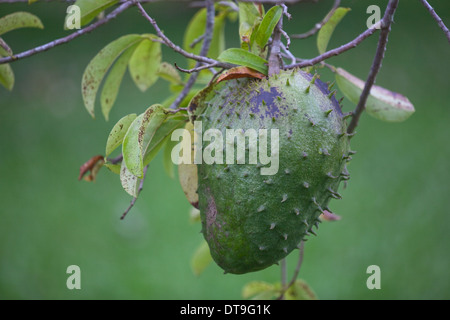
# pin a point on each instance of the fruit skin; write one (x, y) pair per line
(249, 220)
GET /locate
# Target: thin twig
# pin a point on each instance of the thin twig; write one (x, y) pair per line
(196, 41)
(72, 1)
(286, 53)
(116, 160)
(376, 65)
(318, 25)
(206, 66)
(296, 272)
(274, 2)
(437, 18)
(68, 38)
(173, 111)
(176, 48)
(133, 201)
(286, 36)
(207, 38)
(334, 52)
(285, 11)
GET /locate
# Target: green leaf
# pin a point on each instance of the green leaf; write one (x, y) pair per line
(248, 18)
(184, 103)
(201, 259)
(258, 290)
(169, 73)
(115, 168)
(32, 1)
(261, 36)
(100, 64)
(92, 8)
(118, 132)
(327, 29)
(139, 136)
(5, 50)
(18, 20)
(161, 136)
(113, 81)
(130, 183)
(381, 104)
(6, 76)
(167, 159)
(300, 290)
(242, 57)
(145, 62)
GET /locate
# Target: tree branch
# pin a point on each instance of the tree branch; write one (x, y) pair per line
(116, 160)
(318, 25)
(275, 60)
(287, 54)
(176, 48)
(207, 37)
(196, 69)
(334, 52)
(376, 65)
(68, 38)
(133, 201)
(437, 18)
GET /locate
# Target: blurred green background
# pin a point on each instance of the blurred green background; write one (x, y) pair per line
(395, 209)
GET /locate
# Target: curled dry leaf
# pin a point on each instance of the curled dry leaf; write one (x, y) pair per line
(93, 165)
(188, 174)
(381, 104)
(240, 72)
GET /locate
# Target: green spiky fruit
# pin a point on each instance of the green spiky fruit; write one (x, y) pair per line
(251, 220)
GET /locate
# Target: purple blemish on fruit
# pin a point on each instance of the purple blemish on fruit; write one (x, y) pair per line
(265, 103)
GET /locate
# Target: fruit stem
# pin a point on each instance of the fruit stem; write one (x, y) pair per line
(275, 60)
(296, 272)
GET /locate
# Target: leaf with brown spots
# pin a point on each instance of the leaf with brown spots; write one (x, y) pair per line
(130, 183)
(18, 20)
(145, 62)
(93, 165)
(118, 132)
(113, 81)
(139, 136)
(240, 72)
(100, 64)
(187, 173)
(170, 73)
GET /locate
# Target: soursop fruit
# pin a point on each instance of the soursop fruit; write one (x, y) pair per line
(252, 218)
